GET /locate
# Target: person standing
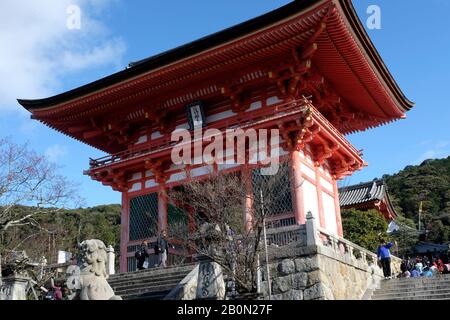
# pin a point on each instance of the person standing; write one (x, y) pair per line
(384, 256)
(57, 292)
(163, 245)
(141, 255)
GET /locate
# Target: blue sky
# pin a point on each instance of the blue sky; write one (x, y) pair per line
(40, 57)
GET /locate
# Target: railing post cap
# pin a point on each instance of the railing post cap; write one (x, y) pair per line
(309, 215)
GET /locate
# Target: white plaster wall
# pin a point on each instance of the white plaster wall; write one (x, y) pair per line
(136, 187)
(327, 185)
(254, 106)
(310, 199)
(308, 171)
(329, 213)
(156, 135)
(220, 116)
(136, 176)
(142, 139)
(273, 100)
(177, 176)
(200, 171)
(150, 183)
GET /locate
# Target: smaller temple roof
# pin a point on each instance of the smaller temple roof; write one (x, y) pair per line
(361, 193)
(367, 195)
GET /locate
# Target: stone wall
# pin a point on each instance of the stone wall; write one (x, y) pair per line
(318, 273)
(323, 267)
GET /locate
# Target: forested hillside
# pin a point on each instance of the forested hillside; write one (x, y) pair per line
(63, 230)
(428, 182)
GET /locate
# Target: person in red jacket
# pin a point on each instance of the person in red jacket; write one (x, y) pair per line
(439, 265)
(57, 292)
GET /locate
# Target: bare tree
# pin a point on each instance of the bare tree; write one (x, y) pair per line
(29, 186)
(216, 209)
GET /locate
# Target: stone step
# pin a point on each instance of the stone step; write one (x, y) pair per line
(419, 279)
(407, 286)
(412, 289)
(423, 288)
(419, 297)
(148, 286)
(147, 296)
(147, 279)
(412, 285)
(384, 295)
(152, 272)
(144, 290)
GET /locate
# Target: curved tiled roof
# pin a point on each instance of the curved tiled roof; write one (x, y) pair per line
(220, 38)
(361, 193)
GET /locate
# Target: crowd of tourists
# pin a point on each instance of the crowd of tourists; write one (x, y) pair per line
(427, 265)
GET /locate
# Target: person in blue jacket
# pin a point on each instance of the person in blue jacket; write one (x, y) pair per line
(384, 256)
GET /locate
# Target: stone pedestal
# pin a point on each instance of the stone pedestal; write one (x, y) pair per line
(210, 283)
(312, 235)
(110, 268)
(14, 288)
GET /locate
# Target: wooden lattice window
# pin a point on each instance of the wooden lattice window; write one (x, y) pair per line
(143, 217)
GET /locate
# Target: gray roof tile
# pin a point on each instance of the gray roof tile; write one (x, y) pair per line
(361, 193)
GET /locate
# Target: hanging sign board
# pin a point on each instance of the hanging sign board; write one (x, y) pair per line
(195, 115)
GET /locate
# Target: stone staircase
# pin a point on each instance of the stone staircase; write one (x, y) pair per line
(150, 284)
(433, 288)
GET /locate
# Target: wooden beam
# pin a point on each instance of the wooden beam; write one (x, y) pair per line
(92, 134)
(76, 129)
(309, 51)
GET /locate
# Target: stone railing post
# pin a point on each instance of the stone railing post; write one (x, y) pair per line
(342, 248)
(334, 244)
(312, 235)
(110, 260)
(364, 257)
(350, 251)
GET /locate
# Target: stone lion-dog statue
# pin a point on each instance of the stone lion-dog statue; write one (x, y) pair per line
(89, 281)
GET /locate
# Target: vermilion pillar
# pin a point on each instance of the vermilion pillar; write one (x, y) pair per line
(124, 232)
(320, 199)
(162, 209)
(248, 218)
(337, 207)
(297, 190)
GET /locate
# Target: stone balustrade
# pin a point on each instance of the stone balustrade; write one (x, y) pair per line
(317, 264)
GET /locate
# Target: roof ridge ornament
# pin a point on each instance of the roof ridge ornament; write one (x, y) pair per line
(372, 190)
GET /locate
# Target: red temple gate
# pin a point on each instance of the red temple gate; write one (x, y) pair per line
(255, 75)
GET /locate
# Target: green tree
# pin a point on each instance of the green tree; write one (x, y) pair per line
(438, 232)
(365, 228)
(428, 182)
(407, 236)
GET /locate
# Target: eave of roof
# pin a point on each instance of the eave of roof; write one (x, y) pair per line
(364, 38)
(208, 42)
(356, 196)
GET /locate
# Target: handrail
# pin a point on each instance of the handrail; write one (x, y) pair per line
(351, 244)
